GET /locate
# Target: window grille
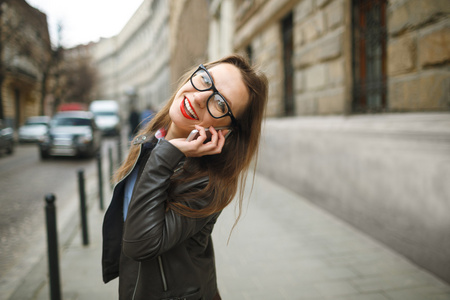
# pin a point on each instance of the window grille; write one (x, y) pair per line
(369, 55)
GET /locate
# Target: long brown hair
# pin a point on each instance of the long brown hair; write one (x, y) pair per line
(226, 171)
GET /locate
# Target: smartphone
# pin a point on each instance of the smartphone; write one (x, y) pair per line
(195, 134)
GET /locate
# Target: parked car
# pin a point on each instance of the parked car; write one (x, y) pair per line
(34, 129)
(6, 138)
(71, 134)
(106, 114)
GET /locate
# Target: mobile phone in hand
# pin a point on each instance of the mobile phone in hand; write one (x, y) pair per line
(195, 134)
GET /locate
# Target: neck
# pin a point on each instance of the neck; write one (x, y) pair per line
(173, 132)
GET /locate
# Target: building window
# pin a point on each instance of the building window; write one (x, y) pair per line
(369, 55)
(288, 47)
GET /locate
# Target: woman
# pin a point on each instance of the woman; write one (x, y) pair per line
(170, 191)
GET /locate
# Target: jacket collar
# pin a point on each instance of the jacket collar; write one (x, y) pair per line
(144, 138)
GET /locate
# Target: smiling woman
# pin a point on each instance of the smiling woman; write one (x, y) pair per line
(171, 190)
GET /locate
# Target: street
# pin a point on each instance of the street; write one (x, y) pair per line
(24, 181)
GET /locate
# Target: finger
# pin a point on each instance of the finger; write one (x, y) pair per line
(225, 132)
(221, 142)
(214, 135)
(202, 133)
(215, 147)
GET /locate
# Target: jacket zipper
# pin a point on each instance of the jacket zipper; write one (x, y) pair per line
(163, 275)
(137, 281)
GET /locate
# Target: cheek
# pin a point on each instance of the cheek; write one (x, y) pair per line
(210, 121)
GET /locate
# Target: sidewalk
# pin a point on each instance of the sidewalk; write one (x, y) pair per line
(282, 248)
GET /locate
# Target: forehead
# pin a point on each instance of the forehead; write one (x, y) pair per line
(228, 81)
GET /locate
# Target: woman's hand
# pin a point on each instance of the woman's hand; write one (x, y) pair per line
(197, 148)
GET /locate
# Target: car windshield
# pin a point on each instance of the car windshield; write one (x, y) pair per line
(104, 113)
(30, 122)
(71, 122)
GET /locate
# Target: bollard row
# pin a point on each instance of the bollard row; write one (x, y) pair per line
(52, 233)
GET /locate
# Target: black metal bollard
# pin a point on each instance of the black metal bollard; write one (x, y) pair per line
(100, 179)
(52, 245)
(111, 165)
(84, 226)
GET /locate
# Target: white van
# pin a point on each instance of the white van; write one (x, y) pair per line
(106, 114)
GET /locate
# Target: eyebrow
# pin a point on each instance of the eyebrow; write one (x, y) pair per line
(226, 99)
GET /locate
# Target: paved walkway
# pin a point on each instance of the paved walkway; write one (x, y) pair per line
(282, 248)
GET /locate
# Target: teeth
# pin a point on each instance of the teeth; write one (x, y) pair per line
(189, 108)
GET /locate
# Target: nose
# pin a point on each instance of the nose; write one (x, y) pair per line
(201, 98)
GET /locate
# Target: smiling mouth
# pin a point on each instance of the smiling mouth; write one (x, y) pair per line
(187, 110)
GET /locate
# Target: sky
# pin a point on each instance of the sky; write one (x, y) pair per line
(84, 21)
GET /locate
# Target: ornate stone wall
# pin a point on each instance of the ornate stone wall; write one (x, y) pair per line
(419, 55)
(384, 173)
(321, 54)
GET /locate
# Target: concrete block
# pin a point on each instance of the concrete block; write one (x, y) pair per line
(299, 37)
(303, 10)
(299, 81)
(330, 47)
(324, 49)
(434, 47)
(316, 77)
(314, 27)
(305, 56)
(413, 13)
(401, 55)
(331, 102)
(336, 72)
(426, 91)
(321, 3)
(305, 104)
(334, 14)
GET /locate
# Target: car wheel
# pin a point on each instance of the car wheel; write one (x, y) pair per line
(44, 155)
(10, 149)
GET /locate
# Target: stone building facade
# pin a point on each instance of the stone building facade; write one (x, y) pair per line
(142, 64)
(133, 66)
(416, 58)
(25, 54)
(358, 117)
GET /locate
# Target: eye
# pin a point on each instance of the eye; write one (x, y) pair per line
(220, 104)
(201, 80)
(205, 79)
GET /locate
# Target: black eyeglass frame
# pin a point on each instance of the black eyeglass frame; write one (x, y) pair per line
(215, 91)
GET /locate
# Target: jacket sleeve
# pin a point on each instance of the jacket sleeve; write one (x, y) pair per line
(149, 229)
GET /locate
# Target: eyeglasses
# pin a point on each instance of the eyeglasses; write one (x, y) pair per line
(217, 106)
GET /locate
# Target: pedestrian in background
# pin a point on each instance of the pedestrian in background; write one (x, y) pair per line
(171, 190)
(133, 121)
(146, 116)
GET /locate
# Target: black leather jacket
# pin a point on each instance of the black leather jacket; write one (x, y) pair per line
(157, 253)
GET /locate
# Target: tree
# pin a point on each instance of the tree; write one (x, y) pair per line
(81, 78)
